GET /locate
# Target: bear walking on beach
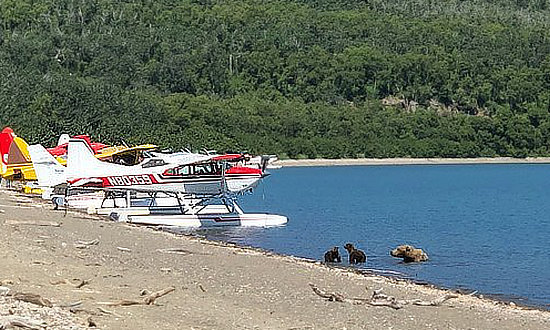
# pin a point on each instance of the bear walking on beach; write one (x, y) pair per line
(355, 256)
(333, 255)
(409, 253)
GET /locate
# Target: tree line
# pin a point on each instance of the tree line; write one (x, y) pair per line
(298, 78)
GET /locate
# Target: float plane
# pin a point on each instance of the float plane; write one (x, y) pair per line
(183, 172)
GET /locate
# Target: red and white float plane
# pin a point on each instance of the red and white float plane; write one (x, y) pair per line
(184, 173)
(188, 183)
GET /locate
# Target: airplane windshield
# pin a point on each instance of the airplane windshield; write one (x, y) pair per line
(127, 158)
(196, 169)
(153, 163)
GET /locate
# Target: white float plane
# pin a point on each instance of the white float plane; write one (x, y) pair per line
(186, 173)
(178, 189)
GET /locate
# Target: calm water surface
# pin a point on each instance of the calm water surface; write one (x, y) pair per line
(485, 227)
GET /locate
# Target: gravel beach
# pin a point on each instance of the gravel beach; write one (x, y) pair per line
(99, 274)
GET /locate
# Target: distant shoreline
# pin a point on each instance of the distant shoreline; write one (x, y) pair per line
(410, 161)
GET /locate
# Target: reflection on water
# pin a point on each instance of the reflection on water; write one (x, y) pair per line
(485, 227)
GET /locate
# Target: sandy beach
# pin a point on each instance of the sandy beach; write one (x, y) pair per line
(71, 258)
(410, 161)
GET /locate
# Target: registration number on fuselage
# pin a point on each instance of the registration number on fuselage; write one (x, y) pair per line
(129, 180)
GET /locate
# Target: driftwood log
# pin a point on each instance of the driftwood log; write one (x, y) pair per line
(32, 298)
(7, 322)
(380, 299)
(148, 300)
(86, 244)
(435, 302)
(330, 296)
(78, 285)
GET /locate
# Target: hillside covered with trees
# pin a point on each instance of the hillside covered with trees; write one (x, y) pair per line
(299, 78)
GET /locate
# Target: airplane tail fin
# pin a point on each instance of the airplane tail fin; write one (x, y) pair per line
(81, 162)
(64, 138)
(49, 171)
(6, 138)
(19, 152)
(19, 161)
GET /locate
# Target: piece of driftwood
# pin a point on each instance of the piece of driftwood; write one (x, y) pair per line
(155, 295)
(175, 251)
(78, 285)
(388, 303)
(335, 296)
(435, 302)
(380, 299)
(82, 283)
(86, 244)
(58, 282)
(7, 322)
(78, 309)
(6, 282)
(71, 305)
(105, 311)
(148, 300)
(331, 296)
(32, 223)
(32, 298)
(123, 249)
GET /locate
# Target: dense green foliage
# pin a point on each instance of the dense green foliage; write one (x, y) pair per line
(300, 78)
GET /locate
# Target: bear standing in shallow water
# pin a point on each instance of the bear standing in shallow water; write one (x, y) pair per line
(333, 255)
(355, 256)
(409, 253)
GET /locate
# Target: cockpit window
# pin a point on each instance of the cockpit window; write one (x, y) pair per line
(128, 158)
(197, 169)
(154, 163)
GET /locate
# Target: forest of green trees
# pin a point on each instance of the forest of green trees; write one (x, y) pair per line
(299, 78)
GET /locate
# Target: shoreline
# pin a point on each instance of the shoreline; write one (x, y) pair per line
(498, 298)
(409, 161)
(218, 284)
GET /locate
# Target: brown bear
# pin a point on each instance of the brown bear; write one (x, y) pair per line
(355, 256)
(333, 255)
(409, 253)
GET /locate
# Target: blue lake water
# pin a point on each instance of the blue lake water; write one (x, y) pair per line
(485, 227)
